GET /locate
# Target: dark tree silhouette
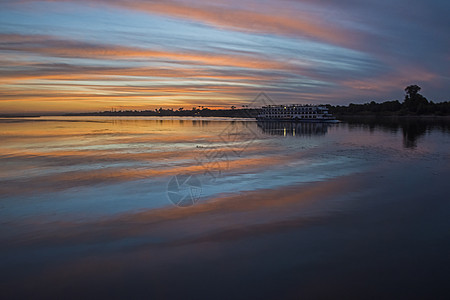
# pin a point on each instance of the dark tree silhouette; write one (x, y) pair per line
(412, 90)
(415, 102)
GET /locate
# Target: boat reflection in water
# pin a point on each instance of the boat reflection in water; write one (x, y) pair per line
(293, 128)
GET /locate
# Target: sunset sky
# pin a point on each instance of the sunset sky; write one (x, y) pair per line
(89, 55)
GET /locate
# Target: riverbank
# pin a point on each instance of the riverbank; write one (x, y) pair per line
(362, 117)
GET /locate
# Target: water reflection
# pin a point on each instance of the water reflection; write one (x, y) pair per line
(412, 132)
(84, 205)
(412, 129)
(293, 129)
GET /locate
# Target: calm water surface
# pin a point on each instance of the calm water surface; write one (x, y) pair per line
(220, 208)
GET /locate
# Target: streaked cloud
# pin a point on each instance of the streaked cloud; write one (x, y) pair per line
(91, 55)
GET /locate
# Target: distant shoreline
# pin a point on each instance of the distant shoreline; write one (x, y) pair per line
(342, 117)
(21, 116)
(392, 117)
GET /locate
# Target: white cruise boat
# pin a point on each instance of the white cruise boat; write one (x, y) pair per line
(295, 113)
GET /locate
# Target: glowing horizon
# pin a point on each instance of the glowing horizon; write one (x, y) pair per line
(77, 56)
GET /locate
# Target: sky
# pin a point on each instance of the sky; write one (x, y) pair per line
(91, 55)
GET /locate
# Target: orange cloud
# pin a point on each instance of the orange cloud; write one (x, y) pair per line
(65, 48)
(257, 16)
(277, 21)
(394, 80)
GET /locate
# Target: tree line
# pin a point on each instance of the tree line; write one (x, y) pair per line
(200, 111)
(413, 104)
